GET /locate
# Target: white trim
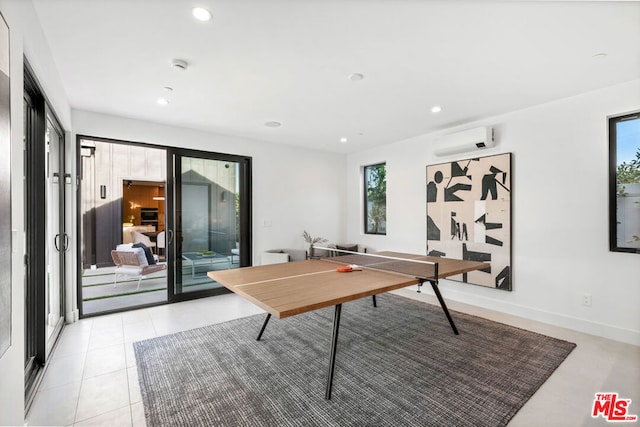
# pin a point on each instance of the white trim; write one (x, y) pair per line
(586, 326)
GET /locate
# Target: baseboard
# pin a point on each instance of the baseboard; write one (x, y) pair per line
(599, 329)
(72, 316)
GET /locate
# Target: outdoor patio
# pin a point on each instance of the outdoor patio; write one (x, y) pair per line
(99, 293)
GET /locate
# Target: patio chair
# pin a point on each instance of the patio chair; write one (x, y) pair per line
(138, 237)
(133, 263)
(160, 243)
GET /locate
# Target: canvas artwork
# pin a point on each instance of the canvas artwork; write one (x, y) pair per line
(469, 216)
(5, 192)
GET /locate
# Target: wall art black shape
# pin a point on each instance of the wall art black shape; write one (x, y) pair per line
(469, 216)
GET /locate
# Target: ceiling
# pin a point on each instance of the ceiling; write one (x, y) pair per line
(289, 61)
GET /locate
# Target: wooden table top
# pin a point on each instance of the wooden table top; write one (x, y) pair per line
(297, 287)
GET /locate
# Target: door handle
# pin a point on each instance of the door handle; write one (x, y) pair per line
(170, 239)
(65, 242)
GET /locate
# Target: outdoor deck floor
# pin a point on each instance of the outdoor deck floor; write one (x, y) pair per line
(100, 295)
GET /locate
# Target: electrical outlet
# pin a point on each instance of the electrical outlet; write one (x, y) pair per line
(586, 300)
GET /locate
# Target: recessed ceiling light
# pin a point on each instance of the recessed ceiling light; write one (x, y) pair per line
(436, 109)
(343, 140)
(356, 77)
(272, 124)
(162, 101)
(201, 14)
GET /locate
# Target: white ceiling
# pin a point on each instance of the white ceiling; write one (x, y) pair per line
(289, 61)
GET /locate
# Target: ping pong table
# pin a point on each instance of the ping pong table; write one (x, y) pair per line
(288, 289)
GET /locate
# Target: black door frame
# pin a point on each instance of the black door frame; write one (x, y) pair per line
(79, 230)
(172, 153)
(35, 334)
(36, 111)
(174, 174)
(61, 240)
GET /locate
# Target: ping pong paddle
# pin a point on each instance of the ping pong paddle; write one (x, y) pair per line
(348, 268)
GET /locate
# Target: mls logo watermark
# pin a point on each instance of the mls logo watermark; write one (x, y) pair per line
(612, 408)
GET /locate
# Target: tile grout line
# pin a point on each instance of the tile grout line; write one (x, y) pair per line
(84, 369)
(136, 367)
(84, 365)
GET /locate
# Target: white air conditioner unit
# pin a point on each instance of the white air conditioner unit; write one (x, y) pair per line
(462, 142)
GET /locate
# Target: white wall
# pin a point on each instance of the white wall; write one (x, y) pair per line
(294, 189)
(560, 213)
(27, 39)
(560, 201)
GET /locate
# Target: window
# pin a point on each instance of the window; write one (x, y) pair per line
(624, 183)
(375, 199)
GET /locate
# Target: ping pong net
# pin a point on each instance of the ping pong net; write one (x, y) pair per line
(420, 267)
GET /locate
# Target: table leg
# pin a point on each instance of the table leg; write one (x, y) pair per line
(264, 325)
(434, 285)
(375, 304)
(334, 343)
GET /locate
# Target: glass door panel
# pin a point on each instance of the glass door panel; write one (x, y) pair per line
(45, 238)
(122, 202)
(210, 221)
(56, 241)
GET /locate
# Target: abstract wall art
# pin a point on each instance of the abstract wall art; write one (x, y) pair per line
(469, 216)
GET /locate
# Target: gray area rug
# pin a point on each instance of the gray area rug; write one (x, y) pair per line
(398, 364)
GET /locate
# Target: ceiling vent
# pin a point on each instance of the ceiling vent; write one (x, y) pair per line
(465, 141)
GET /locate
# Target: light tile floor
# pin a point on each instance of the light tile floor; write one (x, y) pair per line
(92, 377)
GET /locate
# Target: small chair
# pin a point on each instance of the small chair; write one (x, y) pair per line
(130, 263)
(235, 255)
(138, 237)
(160, 243)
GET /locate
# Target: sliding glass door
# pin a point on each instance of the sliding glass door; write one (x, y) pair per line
(122, 188)
(192, 208)
(211, 227)
(46, 238)
(57, 240)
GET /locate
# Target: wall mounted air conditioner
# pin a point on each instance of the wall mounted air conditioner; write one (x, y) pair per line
(465, 141)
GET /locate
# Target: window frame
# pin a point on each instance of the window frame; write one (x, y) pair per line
(613, 185)
(365, 209)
